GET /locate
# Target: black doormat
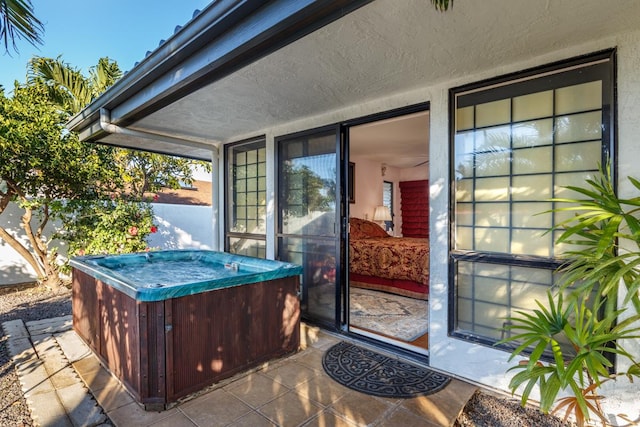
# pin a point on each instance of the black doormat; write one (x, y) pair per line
(372, 373)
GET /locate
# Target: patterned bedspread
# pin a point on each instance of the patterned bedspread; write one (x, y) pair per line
(402, 258)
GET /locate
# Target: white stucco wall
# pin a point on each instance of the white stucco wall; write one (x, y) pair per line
(182, 227)
(474, 362)
(13, 268)
(179, 227)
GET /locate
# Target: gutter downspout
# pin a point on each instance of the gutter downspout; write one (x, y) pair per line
(107, 126)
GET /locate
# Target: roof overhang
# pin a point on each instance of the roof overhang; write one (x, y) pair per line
(226, 36)
(240, 67)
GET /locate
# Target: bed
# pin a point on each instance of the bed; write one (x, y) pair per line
(398, 265)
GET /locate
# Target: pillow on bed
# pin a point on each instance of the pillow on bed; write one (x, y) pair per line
(363, 229)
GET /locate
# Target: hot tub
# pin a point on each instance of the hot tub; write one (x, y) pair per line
(169, 323)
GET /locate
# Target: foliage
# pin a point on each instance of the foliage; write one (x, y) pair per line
(146, 172)
(51, 175)
(442, 5)
(40, 164)
(602, 223)
(307, 191)
(579, 337)
(120, 224)
(67, 86)
(578, 342)
(141, 171)
(17, 21)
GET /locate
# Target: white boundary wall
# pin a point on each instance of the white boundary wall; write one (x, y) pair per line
(179, 227)
(182, 227)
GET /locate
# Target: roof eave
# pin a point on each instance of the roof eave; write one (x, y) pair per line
(225, 36)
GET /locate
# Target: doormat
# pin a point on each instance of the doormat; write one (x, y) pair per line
(372, 373)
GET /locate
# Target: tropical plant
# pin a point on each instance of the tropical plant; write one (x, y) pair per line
(606, 230)
(17, 21)
(442, 5)
(67, 86)
(145, 172)
(142, 171)
(582, 337)
(120, 224)
(578, 343)
(40, 165)
(55, 179)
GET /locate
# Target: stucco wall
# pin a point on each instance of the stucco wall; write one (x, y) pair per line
(13, 268)
(475, 362)
(182, 227)
(179, 227)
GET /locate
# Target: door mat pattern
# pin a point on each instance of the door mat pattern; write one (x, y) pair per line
(372, 373)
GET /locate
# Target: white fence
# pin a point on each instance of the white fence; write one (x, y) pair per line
(179, 227)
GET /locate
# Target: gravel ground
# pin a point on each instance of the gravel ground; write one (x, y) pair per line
(490, 410)
(29, 304)
(485, 409)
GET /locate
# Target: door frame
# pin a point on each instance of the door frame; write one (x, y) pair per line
(341, 319)
(339, 215)
(344, 254)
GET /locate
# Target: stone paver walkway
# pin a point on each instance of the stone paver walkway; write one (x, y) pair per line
(42, 353)
(65, 385)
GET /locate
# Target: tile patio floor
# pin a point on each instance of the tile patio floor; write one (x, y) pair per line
(294, 391)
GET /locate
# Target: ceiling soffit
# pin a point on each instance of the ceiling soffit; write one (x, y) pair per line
(383, 48)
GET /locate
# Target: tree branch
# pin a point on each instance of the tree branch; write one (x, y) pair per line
(22, 251)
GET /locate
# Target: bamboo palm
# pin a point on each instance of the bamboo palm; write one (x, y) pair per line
(601, 222)
(582, 337)
(67, 86)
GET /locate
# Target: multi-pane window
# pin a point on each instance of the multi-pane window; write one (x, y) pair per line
(517, 143)
(246, 198)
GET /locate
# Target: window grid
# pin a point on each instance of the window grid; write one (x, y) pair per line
(572, 154)
(246, 198)
(469, 317)
(511, 175)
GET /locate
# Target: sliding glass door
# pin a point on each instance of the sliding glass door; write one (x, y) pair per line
(309, 226)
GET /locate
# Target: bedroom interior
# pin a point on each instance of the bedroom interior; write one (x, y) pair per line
(389, 255)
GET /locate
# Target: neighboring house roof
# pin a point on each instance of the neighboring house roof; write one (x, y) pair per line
(199, 194)
(240, 67)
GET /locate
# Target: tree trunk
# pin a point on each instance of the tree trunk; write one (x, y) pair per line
(38, 258)
(22, 251)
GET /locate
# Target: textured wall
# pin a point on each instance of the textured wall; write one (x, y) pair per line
(179, 227)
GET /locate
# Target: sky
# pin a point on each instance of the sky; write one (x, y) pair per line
(83, 31)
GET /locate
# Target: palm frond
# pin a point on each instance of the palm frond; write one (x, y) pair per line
(17, 21)
(103, 75)
(66, 85)
(442, 5)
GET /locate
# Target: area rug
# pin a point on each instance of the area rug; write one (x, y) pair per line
(395, 316)
(372, 373)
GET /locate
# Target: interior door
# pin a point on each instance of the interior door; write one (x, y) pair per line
(309, 218)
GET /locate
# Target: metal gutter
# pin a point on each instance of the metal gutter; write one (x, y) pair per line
(107, 126)
(224, 37)
(179, 46)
